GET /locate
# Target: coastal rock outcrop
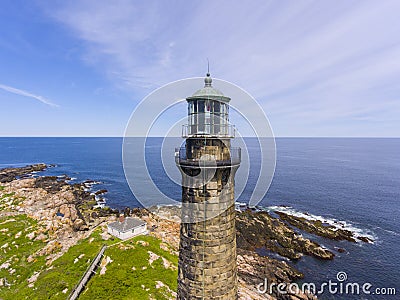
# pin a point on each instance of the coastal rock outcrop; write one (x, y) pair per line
(79, 225)
(252, 267)
(259, 230)
(64, 211)
(317, 227)
(66, 214)
(10, 174)
(255, 270)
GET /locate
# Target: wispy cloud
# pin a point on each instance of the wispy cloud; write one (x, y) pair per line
(305, 61)
(27, 94)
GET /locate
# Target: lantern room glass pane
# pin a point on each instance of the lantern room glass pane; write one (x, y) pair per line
(208, 117)
(216, 107)
(200, 106)
(207, 106)
(192, 119)
(223, 111)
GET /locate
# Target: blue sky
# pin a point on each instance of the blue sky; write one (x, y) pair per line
(318, 68)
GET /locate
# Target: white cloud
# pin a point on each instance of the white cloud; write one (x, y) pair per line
(27, 94)
(305, 61)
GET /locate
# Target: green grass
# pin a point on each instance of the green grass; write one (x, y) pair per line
(2, 187)
(120, 281)
(64, 272)
(8, 201)
(4, 196)
(130, 276)
(15, 248)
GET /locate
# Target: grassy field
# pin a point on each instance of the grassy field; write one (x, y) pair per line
(140, 268)
(132, 274)
(9, 202)
(15, 248)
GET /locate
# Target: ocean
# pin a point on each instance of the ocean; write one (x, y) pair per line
(353, 181)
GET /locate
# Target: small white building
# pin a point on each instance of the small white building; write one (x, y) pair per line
(126, 228)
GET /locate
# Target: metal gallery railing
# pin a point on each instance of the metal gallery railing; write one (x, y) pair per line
(194, 156)
(212, 130)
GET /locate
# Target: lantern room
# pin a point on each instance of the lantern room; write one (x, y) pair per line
(208, 113)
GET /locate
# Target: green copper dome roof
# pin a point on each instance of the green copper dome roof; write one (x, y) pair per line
(209, 92)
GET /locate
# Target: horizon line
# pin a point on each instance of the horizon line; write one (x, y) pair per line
(112, 136)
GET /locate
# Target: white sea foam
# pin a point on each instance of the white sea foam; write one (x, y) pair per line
(89, 185)
(240, 206)
(71, 180)
(99, 198)
(392, 232)
(179, 205)
(388, 231)
(338, 224)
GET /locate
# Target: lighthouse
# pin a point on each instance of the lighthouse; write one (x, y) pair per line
(208, 163)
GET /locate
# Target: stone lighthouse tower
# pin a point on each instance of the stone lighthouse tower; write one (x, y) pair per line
(207, 250)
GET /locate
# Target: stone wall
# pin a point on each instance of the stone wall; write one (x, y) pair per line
(207, 250)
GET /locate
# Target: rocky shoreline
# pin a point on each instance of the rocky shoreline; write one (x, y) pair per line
(261, 230)
(10, 174)
(63, 210)
(67, 213)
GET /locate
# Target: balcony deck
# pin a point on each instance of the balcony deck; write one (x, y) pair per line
(207, 158)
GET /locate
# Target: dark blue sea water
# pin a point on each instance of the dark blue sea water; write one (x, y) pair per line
(355, 181)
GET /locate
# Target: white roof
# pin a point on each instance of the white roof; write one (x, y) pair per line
(127, 225)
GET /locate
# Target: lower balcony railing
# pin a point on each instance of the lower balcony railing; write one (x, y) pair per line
(193, 157)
